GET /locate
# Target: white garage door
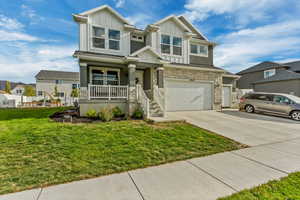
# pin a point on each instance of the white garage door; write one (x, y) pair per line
(188, 95)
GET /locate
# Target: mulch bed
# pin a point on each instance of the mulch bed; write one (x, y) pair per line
(73, 116)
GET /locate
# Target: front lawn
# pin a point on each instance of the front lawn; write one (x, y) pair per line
(287, 188)
(37, 152)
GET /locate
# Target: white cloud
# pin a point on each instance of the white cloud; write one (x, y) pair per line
(29, 60)
(140, 20)
(31, 14)
(242, 11)
(9, 23)
(240, 49)
(16, 36)
(12, 30)
(120, 3)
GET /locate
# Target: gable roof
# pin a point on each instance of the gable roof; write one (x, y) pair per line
(191, 27)
(57, 75)
(146, 48)
(91, 11)
(282, 76)
(261, 67)
(294, 66)
(173, 17)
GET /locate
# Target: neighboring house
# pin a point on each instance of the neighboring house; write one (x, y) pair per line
(18, 90)
(272, 77)
(168, 66)
(64, 82)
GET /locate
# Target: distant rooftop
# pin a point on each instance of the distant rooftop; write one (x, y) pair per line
(57, 75)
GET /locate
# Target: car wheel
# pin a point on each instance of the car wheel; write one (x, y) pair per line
(249, 109)
(296, 115)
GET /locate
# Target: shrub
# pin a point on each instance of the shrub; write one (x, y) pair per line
(91, 113)
(138, 113)
(106, 114)
(117, 112)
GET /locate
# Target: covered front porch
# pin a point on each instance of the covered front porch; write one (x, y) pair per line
(130, 83)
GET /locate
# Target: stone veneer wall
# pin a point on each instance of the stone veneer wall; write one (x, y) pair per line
(216, 77)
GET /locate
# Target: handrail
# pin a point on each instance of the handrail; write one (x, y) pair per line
(143, 100)
(158, 97)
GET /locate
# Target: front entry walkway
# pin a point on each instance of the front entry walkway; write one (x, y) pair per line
(205, 178)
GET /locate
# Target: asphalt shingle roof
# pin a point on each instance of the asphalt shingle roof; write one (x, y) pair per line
(261, 67)
(57, 75)
(282, 76)
(294, 66)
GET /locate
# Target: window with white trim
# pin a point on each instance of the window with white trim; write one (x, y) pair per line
(165, 44)
(269, 73)
(177, 46)
(98, 37)
(199, 50)
(105, 76)
(114, 39)
(171, 45)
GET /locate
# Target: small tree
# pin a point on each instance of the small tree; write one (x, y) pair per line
(7, 87)
(75, 93)
(55, 91)
(29, 91)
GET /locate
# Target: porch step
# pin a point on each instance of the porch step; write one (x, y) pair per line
(155, 110)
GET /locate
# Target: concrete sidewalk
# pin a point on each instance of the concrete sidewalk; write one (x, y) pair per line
(204, 178)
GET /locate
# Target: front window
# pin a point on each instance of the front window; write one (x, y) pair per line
(199, 50)
(40, 93)
(177, 46)
(75, 86)
(112, 78)
(98, 37)
(59, 81)
(269, 73)
(114, 39)
(165, 44)
(105, 77)
(60, 94)
(97, 77)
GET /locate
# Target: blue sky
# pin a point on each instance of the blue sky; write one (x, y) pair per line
(40, 34)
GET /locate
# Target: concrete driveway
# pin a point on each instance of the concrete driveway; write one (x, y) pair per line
(250, 129)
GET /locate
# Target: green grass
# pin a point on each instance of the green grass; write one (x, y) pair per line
(287, 188)
(17, 113)
(37, 152)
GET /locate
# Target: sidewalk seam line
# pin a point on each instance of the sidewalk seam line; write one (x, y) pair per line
(260, 163)
(137, 188)
(39, 195)
(199, 168)
(277, 142)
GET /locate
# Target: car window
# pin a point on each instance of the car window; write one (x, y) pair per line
(282, 99)
(265, 97)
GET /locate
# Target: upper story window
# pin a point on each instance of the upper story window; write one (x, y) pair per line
(269, 73)
(101, 36)
(177, 46)
(98, 37)
(199, 50)
(114, 39)
(75, 86)
(166, 45)
(58, 81)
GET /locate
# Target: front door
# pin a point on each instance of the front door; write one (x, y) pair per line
(139, 76)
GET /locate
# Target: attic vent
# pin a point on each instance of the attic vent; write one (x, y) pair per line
(138, 38)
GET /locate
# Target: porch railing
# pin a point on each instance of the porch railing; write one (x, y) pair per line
(107, 92)
(143, 100)
(158, 97)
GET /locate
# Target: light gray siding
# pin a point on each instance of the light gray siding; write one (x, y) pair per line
(288, 87)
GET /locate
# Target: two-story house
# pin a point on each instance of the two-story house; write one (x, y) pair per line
(57, 84)
(168, 66)
(272, 77)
